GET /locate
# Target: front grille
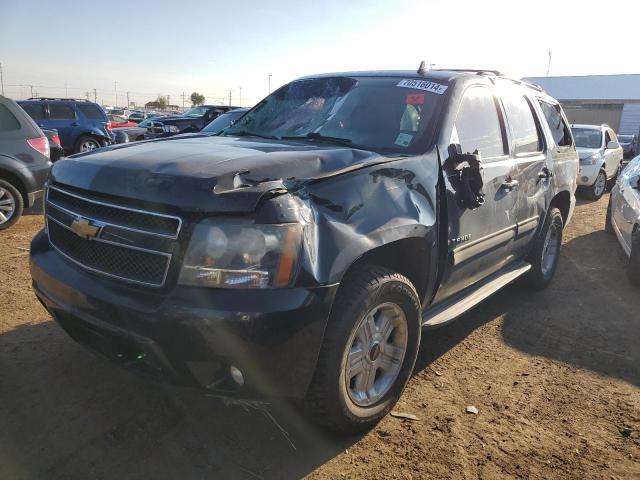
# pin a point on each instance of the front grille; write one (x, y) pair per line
(113, 214)
(131, 245)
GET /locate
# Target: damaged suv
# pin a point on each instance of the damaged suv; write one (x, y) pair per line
(303, 252)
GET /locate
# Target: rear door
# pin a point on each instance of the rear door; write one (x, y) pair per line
(63, 118)
(480, 241)
(532, 164)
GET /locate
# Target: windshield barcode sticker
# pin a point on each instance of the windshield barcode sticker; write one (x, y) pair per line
(423, 85)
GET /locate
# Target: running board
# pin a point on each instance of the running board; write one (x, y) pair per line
(452, 308)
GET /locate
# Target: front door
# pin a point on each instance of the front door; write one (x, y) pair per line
(62, 117)
(481, 239)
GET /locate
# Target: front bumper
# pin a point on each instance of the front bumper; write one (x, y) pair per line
(189, 336)
(587, 174)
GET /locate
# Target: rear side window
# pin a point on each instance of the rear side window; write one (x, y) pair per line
(477, 126)
(91, 112)
(58, 111)
(8, 121)
(34, 110)
(524, 131)
(559, 129)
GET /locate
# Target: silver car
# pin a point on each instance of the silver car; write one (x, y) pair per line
(600, 158)
(623, 216)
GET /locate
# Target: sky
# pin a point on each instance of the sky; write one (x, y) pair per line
(169, 47)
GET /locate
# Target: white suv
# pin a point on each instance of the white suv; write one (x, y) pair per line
(600, 157)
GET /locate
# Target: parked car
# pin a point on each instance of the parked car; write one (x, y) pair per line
(193, 120)
(623, 216)
(628, 144)
(82, 125)
(120, 136)
(302, 252)
(224, 120)
(137, 132)
(56, 152)
(120, 122)
(121, 112)
(600, 158)
(24, 162)
(137, 117)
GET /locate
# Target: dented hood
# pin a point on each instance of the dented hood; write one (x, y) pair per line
(207, 174)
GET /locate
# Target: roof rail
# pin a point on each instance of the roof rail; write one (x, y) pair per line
(524, 84)
(471, 70)
(60, 99)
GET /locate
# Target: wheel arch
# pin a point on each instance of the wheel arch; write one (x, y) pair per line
(16, 181)
(562, 201)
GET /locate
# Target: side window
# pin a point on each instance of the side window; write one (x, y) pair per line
(34, 110)
(524, 131)
(607, 138)
(559, 129)
(8, 121)
(58, 111)
(478, 125)
(91, 112)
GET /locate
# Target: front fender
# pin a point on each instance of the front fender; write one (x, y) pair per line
(358, 212)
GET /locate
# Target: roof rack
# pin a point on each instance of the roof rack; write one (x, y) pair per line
(60, 99)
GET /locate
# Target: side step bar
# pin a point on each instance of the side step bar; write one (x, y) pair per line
(452, 308)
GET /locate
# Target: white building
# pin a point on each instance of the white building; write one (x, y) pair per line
(596, 99)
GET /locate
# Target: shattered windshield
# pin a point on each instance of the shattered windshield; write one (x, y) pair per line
(386, 114)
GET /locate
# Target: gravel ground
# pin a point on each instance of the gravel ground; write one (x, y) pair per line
(555, 377)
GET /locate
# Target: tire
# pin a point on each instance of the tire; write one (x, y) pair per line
(336, 398)
(545, 252)
(595, 191)
(608, 228)
(11, 204)
(633, 270)
(85, 144)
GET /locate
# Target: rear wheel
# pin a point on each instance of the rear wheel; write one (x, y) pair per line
(11, 204)
(634, 261)
(369, 350)
(545, 253)
(599, 186)
(86, 144)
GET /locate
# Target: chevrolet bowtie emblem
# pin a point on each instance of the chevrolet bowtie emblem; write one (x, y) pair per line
(83, 228)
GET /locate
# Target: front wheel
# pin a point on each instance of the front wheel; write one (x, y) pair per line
(545, 253)
(369, 350)
(599, 186)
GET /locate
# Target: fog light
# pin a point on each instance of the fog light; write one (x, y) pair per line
(236, 374)
(585, 179)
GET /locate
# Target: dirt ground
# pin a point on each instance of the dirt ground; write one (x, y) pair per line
(554, 375)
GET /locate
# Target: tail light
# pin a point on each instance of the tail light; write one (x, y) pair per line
(40, 144)
(108, 127)
(56, 139)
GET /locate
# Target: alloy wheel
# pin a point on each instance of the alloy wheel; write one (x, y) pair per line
(7, 205)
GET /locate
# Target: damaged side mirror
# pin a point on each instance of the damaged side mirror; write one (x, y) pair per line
(469, 169)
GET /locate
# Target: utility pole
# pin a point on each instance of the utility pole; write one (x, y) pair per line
(168, 101)
(229, 97)
(128, 103)
(66, 90)
(269, 83)
(95, 95)
(240, 101)
(31, 87)
(549, 64)
(1, 79)
(88, 95)
(183, 100)
(115, 89)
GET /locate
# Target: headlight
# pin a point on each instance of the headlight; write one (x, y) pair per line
(591, 160)
(171, 129)
(242, 255)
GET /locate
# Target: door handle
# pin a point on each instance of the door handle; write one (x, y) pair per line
(75, 124)
(510, 183)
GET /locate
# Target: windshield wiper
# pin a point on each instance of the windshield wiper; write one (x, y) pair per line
(325, 138)
(245, 133)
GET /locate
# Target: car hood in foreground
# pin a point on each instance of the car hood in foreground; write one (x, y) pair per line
(207, 174)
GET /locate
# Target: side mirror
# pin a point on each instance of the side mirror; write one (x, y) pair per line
(612, 145)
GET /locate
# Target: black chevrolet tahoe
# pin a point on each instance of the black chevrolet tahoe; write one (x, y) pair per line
(193, 120)
(305, 251)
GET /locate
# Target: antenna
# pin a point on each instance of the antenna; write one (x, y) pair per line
(422, 68)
